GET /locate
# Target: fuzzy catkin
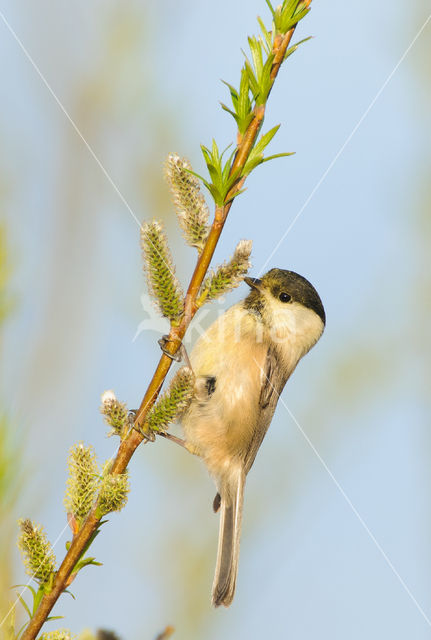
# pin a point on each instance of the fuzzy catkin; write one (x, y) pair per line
(114, 489)
(59, 634)
(38, 556)
(189, 202)
(115, 414)
(173, 402)
(163, 284)
(82, 482)
(228, 275)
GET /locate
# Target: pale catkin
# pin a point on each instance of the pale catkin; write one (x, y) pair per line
(38, 555)
(115, 414)
(163, 284)
(82, 481)
(188, 200)
(58, 634)
(228, 275)
(173, 402)
(114, 489)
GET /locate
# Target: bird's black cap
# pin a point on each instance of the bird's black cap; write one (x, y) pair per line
(300, 290)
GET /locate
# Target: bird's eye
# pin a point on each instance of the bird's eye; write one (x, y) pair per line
(284, 297)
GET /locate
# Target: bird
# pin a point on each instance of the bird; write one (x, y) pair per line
(241, 365)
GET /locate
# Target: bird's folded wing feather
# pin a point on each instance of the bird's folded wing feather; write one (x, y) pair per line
(274, 378)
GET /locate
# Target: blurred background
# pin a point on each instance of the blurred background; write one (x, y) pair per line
(141, 79)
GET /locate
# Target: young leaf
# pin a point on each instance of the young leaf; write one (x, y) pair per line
(24, 604)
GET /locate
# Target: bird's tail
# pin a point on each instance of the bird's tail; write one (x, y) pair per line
(232, 495)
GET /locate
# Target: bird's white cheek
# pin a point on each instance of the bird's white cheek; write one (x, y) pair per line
(296, 324)
(285, 323)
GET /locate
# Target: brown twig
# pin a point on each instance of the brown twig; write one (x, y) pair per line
(166, 633)
(134, 439)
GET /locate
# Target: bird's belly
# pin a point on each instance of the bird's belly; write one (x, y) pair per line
(219, 426)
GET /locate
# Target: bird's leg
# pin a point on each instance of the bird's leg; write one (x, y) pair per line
(173, 438)
(151, 435)
(190, 448)
(180, 355)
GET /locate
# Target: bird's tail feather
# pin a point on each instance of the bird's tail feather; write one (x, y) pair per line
(232, 496)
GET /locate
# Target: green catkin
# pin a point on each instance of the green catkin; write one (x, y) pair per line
(82, 482)
(189, 202)
(173, 402)
(228, 275)
(38, 556)
(163, 284)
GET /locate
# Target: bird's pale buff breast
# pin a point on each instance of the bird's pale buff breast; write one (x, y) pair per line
(233, 351)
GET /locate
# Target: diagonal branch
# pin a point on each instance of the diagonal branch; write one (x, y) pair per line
(129, 445)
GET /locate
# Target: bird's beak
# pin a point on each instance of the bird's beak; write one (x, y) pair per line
(253, 283)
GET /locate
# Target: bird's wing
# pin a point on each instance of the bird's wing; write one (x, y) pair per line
(274, 379)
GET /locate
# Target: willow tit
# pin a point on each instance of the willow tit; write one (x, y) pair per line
(241, 365)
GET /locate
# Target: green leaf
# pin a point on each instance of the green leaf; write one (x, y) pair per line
(215, 152)
(290, 6)
(21, 630)
(294, 47)
(243, 106)
(234, 96)
(267, 36)
(87, 546)
(266, 81)
(256, 54)
(302, 12)
(36, 595)
(85, 562)
(24, 604)
(25, 586)
(244, 102)
(37, 599)
(252, 80)
(290, 15)
(235, 195)
(256, 156)
(265, 139)
(227, 166)
(232, 90)
(221, 179)
(232, 113)
(278, 155)
(270, 7)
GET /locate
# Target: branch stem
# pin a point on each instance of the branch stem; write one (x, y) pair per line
(129, 445)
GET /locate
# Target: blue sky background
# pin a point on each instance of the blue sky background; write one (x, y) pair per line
(140, 80)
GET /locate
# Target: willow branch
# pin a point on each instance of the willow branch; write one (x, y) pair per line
(129, 445)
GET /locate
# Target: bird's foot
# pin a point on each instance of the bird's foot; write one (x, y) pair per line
(179, 356)
(148, 435)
